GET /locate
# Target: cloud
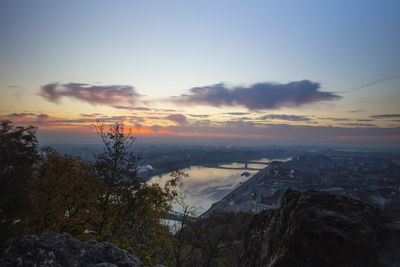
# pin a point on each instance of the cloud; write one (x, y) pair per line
(384, 79)
(335, 119)
(257, 96)
(284, 117)
(131, 108)
(91, 115)
(67, 121)
(365, 120)
(200, 123)
(145, 109)
(42, 116)
(237, 113)
(270, 132)
(178, 118)
(30, 117)
(17, 115)
(198, 116)
(235, 129)
(104, 95)
(167, 110)
(122, 107)
(358, 124)
(385, 116)
(141, 109)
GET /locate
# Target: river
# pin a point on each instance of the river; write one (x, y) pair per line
(205, 185)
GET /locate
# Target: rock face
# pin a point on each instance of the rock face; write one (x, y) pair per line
(52, 249)
(318, 229)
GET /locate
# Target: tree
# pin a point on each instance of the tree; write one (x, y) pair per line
(18, 156)
(215, 241)
(182, 237)
(117, 166)
(131, 210)
(64, 193)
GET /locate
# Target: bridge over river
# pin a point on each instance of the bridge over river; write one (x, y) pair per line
(245, 165)
(179, 217)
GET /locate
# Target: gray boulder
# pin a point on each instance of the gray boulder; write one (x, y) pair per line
(61, 249)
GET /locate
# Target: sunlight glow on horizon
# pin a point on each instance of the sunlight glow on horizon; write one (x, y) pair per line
(283, 71)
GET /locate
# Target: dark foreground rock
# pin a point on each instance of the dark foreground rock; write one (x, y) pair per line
(52, 249)
(318, 229)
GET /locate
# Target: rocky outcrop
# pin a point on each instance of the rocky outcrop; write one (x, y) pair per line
(318, 229)
(53, 249)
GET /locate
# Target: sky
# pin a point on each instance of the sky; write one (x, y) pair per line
(259, 72)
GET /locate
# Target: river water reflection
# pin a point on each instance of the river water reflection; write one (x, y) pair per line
(206, 185)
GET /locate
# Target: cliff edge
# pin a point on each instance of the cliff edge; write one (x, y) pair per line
(318, 229)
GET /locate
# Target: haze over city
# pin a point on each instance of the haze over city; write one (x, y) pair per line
(273, 72)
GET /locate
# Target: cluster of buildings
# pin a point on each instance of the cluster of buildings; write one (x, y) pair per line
(360, 176)
(374, 180)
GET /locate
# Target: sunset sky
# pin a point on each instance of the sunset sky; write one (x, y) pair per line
(270, 72)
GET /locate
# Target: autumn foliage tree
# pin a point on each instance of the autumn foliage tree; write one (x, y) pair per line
(131, 210)
(18, 156)
(105, 200)
(64, 193)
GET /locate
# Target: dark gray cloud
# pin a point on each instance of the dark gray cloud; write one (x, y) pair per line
(358, 124)
(335, 119)
(91, 115)
(385, 116)
(122, 107)
(25, 114)
(17, 115)
(141, 109)
(42, 116)
(178, 118)
(132, 108)
(237, 113)
(144, 109)
(93, 94)
(198, 116)
(257, 96)
(284, 117)
(365, 120)
(167, 110)
(356, 111)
